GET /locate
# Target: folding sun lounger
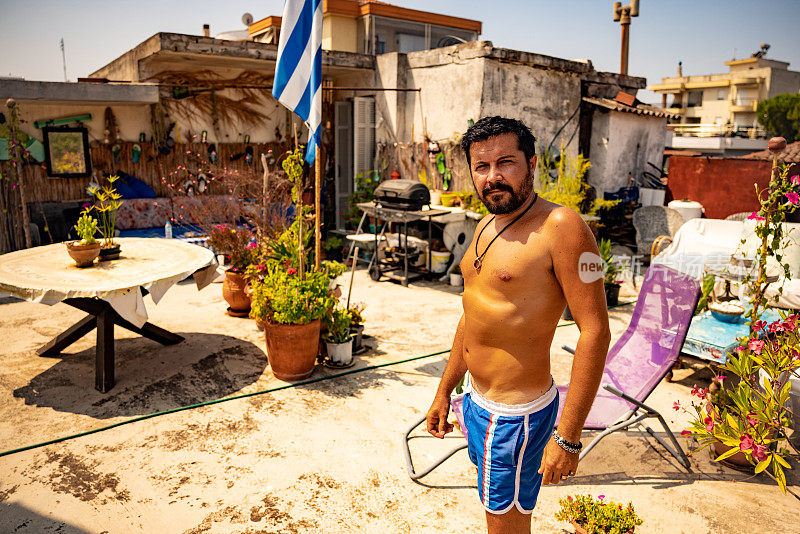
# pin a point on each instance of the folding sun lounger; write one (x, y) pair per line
(635, 365)
(642, 357)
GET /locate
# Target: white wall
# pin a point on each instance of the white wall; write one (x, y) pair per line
(622, 143)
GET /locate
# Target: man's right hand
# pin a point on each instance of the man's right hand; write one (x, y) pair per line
(437, 417)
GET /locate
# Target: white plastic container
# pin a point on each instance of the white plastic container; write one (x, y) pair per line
(456, 279)
(651, 197)
(688, 208)
(436, 198)
(439, 261)
(340, 353)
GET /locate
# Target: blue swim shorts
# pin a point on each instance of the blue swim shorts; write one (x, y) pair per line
(506, 442)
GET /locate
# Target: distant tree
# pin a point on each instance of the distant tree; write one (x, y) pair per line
(781, 116)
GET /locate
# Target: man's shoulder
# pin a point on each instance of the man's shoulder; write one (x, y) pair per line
(564, 224)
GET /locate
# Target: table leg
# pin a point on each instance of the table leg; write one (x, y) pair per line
(104, 353)
(151, 331)
(68, 337)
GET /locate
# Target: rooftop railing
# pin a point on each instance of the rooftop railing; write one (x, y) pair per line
(717, 130)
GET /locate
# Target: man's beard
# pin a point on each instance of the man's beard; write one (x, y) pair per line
(508, 203)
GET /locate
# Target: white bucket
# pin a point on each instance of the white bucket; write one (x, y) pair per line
(456, 279)
(688, 208)
(436, 198)
(439, 261)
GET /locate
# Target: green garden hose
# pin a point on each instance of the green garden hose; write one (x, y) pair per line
(242, 396)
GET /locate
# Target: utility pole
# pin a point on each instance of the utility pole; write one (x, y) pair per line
(64, 59)
(623, 14)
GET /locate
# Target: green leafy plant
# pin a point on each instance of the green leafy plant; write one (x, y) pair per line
(338, 322)
(705, 297)
(781, 115)
(86, 227)
(107, 203)
(236, 244)
(333, 243)
(561, 181)
(747, 413)
(597, 516)
(366, 182)
(281, 295)
(611, 269)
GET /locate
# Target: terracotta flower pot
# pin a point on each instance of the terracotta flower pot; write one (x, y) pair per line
(233, 291)
(84, 255)
(292, 349)
(739, 459)
(580, 530)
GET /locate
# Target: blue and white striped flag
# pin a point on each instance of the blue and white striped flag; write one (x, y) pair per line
(298, 74)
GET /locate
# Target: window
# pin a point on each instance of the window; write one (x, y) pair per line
(67, 152)
(695, 99)
(721, 94)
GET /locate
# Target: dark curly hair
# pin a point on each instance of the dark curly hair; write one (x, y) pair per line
(490, 126)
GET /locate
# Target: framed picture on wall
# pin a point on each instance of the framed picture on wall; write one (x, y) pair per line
(66, 152)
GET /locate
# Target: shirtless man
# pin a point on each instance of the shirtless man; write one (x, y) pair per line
(522, 267)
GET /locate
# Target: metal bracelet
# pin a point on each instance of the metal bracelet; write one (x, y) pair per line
(573, 448)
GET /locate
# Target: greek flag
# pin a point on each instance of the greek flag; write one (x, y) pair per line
(298, 74)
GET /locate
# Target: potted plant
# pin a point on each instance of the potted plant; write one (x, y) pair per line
(87, 249)
(357, 323)
(560, 180)
(745, 418)
(339, 341)
(107, 202)
(241, 251)
(456, 278)
(594, 516)
(289, 299)
(611, 272)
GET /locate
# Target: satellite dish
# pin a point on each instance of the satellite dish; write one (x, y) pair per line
(247, 19)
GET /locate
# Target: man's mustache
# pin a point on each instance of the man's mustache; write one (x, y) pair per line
(497, 188)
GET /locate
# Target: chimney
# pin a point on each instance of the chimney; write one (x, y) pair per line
(680, 69)
(206, 30)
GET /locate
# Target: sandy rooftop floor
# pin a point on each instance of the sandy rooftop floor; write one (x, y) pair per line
(323, 457)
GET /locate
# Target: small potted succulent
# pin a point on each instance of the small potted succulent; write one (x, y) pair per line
(595, 516)
(357, 323)
(87, 249)
(456, 279)
(611, 272)
(339, 341)
(241, 251)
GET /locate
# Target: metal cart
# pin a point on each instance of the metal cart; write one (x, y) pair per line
(397, 267)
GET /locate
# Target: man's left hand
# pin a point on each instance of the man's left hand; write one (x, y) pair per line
(557, 464)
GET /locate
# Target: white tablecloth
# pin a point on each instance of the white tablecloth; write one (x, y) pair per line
(48, 274)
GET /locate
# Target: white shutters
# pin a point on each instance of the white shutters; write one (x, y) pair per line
(343, 142)
(363, 134)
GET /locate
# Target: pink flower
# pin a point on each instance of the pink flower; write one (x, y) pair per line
(759, 452)
(601, 497)
(220, 227)
(710, 423)
(793, 198)
(86, 204)
(756, 216)
(755, 345)
(759, 325)
(795, 180)
(720, 378)
(676, 405)
(252, 246)
(686, 432)
(261, 267)
(751, 421)
(569, 497)
(291, 270)
(746, 442)
(789, 326)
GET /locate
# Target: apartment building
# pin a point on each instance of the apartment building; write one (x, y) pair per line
(718, 111)
(370, 27)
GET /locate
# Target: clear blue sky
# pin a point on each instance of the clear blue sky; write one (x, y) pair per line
(701, 33)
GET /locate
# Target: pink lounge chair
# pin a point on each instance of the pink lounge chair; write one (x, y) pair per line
(642, 357)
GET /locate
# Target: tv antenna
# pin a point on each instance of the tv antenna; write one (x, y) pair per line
(623, 14)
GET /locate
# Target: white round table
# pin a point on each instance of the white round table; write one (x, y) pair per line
(111, 292)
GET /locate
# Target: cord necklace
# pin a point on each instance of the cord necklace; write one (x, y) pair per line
(479, 258)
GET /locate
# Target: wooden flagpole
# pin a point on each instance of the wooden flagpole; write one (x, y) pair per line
(317, 207)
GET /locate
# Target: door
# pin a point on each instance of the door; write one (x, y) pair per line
(343, 141)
